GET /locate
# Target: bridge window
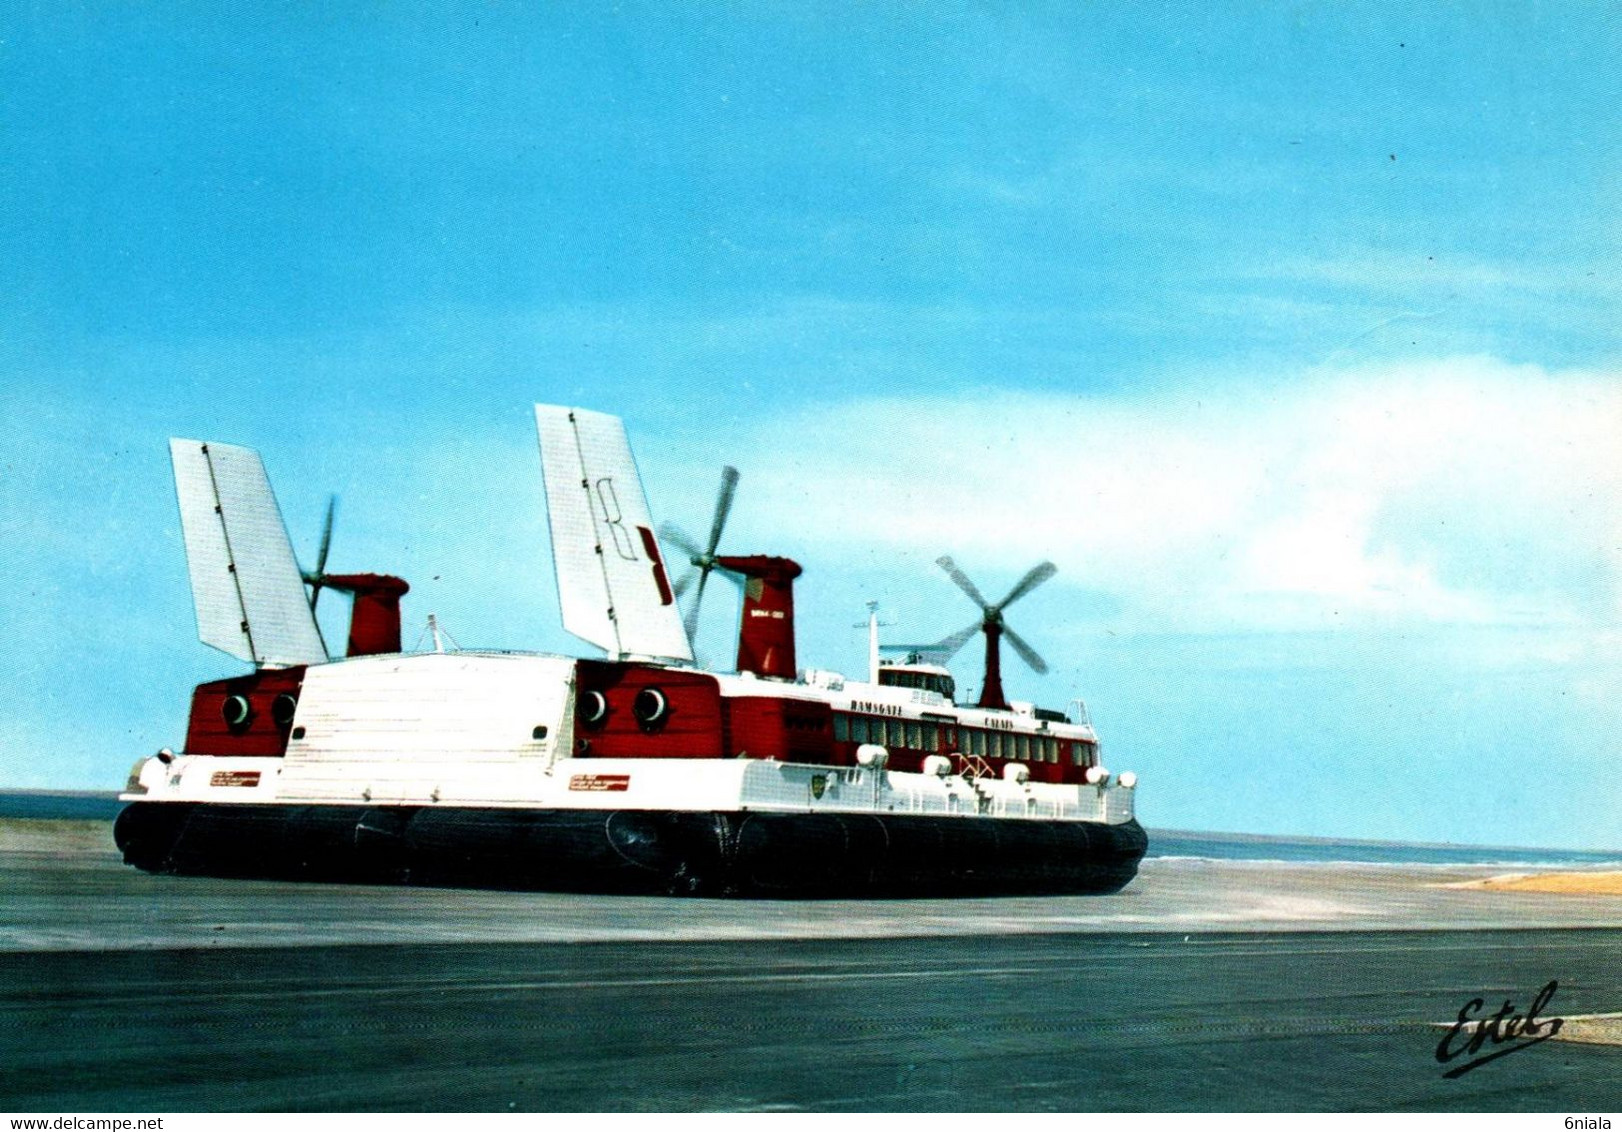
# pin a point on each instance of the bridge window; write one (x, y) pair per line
(941, 684)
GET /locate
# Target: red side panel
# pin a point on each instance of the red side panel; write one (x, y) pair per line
(691, 728)
(263, 732)
(763, 727)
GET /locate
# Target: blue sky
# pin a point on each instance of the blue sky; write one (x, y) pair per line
(1287, 332)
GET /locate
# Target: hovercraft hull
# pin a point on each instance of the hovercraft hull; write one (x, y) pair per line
(676, 852)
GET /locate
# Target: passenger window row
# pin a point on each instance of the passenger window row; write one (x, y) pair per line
(916, 735)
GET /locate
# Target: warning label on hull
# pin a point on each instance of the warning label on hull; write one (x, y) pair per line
(234, 778)
(598, 782)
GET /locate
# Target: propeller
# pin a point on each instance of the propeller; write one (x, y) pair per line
(991, 621)
(317, 578)
(701, 561)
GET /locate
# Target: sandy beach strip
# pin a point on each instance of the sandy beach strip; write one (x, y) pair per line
(1573, 884)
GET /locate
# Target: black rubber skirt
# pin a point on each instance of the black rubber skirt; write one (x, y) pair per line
(633, 851)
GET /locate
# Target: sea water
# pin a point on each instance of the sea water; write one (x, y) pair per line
(1318, 850)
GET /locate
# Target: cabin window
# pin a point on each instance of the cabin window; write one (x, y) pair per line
(895, 735)
(915, 735)
(841, 729)
(931, 737)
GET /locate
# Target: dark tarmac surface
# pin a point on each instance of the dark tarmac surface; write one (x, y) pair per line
(1121, 1022)
(1205, 986)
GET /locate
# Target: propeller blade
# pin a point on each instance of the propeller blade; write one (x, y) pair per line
(945, 563)
(677, 537)
(1025, 651)
(948, 647)
(683, 582)
(723, 506)
(1035, 577)
(691, 620)
(317, 577)
(326, 536)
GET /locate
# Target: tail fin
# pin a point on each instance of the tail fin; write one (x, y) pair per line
(245, 581)
(611, 573)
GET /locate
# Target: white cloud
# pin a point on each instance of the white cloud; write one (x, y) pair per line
(1464, 491)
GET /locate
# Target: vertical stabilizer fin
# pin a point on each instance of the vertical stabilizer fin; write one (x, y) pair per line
(244, 579)
(612, 581)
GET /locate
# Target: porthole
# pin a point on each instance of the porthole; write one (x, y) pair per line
(650, 707)
(282, 709)
(237, 712)
(539, 732)
(593, 709)
(298, 732)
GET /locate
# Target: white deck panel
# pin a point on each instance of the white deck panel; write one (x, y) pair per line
(460, 708)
